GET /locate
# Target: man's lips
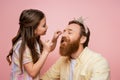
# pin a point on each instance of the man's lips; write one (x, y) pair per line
(63, 40)
(63, 43)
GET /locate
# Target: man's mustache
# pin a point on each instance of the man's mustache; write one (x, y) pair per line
(64, 39)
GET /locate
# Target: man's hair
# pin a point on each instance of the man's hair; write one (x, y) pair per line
(84, 31)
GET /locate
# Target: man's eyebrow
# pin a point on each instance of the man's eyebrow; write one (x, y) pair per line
(67, 30)
(70, 30)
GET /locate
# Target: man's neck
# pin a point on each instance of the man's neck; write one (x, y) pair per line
(77, 53)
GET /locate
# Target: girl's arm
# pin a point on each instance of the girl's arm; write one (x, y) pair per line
(48, 46)
(33, 69)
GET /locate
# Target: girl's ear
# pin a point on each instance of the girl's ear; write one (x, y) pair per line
(83, 39)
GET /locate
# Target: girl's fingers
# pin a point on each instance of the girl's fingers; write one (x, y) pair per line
(58, 32)
(47, 40)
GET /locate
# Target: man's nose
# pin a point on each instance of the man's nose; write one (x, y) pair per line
(64, 34)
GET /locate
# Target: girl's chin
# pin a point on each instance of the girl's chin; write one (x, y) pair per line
(43, 34)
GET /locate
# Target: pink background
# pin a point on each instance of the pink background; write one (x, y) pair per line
(103, 19)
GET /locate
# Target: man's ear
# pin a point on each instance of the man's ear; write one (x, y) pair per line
(83, 39)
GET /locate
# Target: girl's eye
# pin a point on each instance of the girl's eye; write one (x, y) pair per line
(44, 25)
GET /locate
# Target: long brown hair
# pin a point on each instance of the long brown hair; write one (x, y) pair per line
(29, 21)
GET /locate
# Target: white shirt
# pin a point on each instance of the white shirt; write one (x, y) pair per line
(72, 65)
(16, 71)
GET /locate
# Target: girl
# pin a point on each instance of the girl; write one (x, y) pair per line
(28, 52)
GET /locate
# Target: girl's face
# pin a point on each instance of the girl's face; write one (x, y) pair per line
(42, 28)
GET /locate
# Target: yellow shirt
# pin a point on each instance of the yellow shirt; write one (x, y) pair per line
(89, 66)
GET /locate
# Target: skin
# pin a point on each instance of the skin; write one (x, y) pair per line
(42, 27)
(48, 46)
(72, 34)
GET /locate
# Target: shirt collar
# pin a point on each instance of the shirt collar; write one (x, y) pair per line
(82, 55)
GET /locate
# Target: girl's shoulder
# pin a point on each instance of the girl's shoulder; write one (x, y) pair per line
(17, 44)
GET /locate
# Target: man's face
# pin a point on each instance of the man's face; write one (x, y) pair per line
(70, 40)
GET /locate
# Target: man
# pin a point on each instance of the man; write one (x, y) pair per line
(77, 61)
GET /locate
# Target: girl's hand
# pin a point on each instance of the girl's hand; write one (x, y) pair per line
(46, 46)
(54, 39)
(56, 35)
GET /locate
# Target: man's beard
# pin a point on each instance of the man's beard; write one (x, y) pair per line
(67, 47)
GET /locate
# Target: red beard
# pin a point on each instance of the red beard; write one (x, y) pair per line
(67, 47)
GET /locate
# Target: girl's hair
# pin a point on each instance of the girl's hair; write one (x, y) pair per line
(84, 31)
(28, 21)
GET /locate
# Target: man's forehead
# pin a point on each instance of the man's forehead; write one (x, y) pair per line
(72, 27)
